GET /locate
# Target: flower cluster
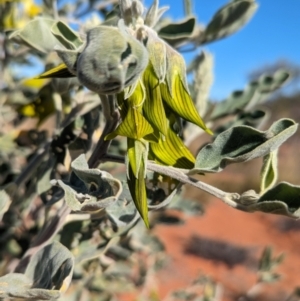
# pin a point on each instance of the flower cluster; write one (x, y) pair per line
(148, 78)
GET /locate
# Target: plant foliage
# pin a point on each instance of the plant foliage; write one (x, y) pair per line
(114, 92)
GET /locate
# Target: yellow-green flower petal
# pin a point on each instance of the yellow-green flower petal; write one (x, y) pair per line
(175, 66)
(172, 151)
(175, 91)
(61, 71)
(182, 103)
(134, 126)
(137, 188)
(137, 151)
(34, 83)
(153, 106)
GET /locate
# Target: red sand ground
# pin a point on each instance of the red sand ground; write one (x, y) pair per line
(240, 230)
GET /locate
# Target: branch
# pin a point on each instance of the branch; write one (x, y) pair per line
(230, 199)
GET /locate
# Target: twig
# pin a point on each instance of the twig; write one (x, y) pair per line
(32, 165)
(228, 198)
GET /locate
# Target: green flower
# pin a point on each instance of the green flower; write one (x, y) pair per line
(148, 78)
(151, 114)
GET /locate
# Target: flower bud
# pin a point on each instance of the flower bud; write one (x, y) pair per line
(111, 61)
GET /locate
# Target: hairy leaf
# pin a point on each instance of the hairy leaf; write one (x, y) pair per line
(37, 35)
(203, 79)
(47, 275)
(255, 93)
(6, 198)
(229, 19)
(94, 189)
(241, 144)
(51, 268)
(282, 199)
(154, 13)
(88, 251)
(69, 38)
(255, 118)
(175, 33)
(16, 285)
(123, 212)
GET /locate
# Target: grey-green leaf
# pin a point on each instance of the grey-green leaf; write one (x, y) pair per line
(269, 172)
(175, 33)
(6, 198)
(15, 285)
(69, 38)
(92, 191)
(255, 93)
(255, 118)
(47, 275)
(241, 144)
(51, 268)
(283, 199)
(229, 19)
(37, 35)
(122, 212)
(203, 79)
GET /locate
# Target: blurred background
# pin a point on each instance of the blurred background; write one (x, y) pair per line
(223, 244)
(269, 39)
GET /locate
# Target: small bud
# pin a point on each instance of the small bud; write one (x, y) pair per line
(137, 9)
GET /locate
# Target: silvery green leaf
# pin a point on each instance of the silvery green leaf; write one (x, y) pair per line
(48, 273)
(176, 33)
(69, 38)
(88, 251)
(17, 285)
(94, 189)
(51, 268)
(229, 19)
(6, 194)
(203, 79)
(151, 16)
(241, 144)
(37, 35)
(255, 93)
(269, 171)
(122, 212)
(268, 83)
(255, 118)
(267, 264)
(154, 14)
(282, 199)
